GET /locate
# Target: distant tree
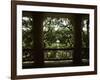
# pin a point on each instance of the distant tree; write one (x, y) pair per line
(27, 32)
(58, 33)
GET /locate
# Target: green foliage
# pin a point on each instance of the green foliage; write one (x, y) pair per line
(85, 34)
(58, 33)
(27, 32)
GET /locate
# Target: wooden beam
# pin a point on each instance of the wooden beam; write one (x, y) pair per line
(37, 39)
(77, 56)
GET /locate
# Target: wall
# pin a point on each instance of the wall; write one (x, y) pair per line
(5, 38)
